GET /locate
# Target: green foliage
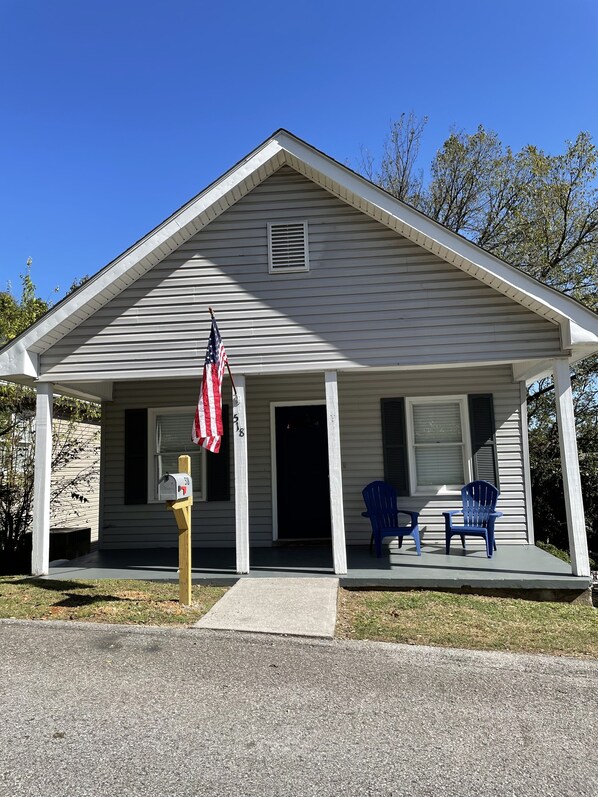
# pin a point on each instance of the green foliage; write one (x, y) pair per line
(547, 485)
(17, 435)
(16, 315)
(77, 283)
(17, 456)
(538, 212)
(16, 474)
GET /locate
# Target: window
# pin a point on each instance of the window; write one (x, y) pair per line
(169, 437)
(17, 444)
(439, 449)
(287, 247)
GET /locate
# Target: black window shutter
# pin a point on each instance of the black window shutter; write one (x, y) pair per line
(483, 437)
(218, 465)
(394, 443)
(136, 456)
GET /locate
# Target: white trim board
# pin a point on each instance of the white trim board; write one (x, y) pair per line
(448, 490)
(300, 368)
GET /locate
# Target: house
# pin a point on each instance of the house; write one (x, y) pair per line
(74, 502)
(366, 341)
(79, 475)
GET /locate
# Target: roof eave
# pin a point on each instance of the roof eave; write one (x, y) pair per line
(19, 363)
(154, 246)
(579, 326)
(436, 238)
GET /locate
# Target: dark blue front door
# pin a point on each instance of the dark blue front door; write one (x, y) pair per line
(303, 493)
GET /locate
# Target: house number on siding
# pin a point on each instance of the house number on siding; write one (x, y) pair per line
(240, 430)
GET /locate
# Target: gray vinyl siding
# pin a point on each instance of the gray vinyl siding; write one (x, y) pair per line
(152, 525)
(361, 442)
(371, 297)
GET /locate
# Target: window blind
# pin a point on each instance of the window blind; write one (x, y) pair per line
(437, 423)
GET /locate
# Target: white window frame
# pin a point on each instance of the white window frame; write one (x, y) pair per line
(199, 491)
(293, 269)
(438, 489)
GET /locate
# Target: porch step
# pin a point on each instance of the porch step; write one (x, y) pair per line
(288, 606)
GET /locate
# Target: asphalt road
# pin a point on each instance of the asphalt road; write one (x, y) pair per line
(101, 710)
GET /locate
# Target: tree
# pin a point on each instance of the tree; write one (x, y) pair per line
(398, 172)
(538, 212)
(77, 283)
(17, 437)
(18, 314)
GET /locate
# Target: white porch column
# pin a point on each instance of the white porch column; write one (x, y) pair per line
(578, 541)
(241, 489)
(339, 547)
(40, 558)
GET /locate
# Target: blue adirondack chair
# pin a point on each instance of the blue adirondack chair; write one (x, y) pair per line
(381, 504)
(479, 503)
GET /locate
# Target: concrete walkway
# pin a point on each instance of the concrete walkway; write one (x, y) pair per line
(294, 606)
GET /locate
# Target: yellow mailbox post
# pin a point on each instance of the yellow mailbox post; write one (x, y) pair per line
(177, 489)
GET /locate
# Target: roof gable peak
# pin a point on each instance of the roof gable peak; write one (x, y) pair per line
(579, 325)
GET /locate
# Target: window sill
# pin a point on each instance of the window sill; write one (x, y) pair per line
(196, 500)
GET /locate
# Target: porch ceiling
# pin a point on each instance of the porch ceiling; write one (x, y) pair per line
(523, 370)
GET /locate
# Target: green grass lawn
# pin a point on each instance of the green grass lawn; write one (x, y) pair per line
(414, 617)
(104, 601)
(469, 621)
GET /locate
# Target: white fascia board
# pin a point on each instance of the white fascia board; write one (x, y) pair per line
(575, 335)
(90, 391)
(530, 371)
(98, 288)
(582, 350)
(263, 370)
(17, 361)
(451, 247)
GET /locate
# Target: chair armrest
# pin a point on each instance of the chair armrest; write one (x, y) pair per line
(453, 512)
(495, 514)
(413, 515)
(365, 514)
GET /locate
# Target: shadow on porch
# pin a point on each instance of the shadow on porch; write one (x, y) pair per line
(513, 567)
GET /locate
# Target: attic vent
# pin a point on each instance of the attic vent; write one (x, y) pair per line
(287, 247)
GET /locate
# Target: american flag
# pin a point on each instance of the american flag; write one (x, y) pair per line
(207, 426)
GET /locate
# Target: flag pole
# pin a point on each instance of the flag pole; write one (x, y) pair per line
(232, 381)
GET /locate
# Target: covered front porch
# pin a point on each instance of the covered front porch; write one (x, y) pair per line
(513, 567)
(249, 514)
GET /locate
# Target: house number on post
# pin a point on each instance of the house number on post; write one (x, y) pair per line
(240, 430)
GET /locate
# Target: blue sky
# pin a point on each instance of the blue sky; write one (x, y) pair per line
(115, 113)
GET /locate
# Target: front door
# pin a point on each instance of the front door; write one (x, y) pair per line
(302, 489)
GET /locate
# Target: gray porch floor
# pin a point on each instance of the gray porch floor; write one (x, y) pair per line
(511, 567)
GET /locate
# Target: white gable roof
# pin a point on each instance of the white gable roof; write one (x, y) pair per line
(579, 326)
